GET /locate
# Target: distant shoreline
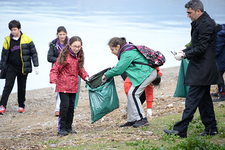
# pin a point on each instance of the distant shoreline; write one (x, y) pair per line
(163, 69)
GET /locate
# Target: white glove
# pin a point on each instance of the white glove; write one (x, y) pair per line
(36, 70)
(179, 56)
(86, 79)
(149, 112)
(104, 78)
(53, 85)
(181, 49)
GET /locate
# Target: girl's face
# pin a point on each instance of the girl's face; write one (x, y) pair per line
(62, 36)
(115, 50)
(76, 46)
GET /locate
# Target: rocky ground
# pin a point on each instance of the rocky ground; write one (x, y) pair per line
(36, 128)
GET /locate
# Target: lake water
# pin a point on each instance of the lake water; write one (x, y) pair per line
(162, 25)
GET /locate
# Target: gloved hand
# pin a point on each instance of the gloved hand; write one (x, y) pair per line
(87, 79)
(104, 78)
(53, 85)
(179, 56)
(36, 70)
(149, 112)
(181, 49)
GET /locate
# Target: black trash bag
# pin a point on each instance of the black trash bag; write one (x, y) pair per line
(96, 80)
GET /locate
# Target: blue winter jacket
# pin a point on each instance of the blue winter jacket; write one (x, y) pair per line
(220, 48)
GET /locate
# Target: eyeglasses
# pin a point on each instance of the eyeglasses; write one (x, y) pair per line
(78, 47)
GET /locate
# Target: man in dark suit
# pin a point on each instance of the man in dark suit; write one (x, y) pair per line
(202, 71)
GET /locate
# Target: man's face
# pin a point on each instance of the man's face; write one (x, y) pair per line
(192, 14)
(15, 32)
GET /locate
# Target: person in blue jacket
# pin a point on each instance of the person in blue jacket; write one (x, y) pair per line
(220, 57)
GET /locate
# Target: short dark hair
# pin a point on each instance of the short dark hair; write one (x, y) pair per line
(14, 24)
(195, 5)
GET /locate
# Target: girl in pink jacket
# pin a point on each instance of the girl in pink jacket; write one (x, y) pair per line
(64, 79)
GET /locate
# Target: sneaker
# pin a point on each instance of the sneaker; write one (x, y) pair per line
(215, 94)
(128, 124)
(222, 98)
(141, 123)
(56, 113)
(62, 133)
(21, 110)
(2, 110)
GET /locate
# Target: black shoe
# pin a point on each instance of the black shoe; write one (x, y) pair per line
(62, 133)
(170, 132)
(215, 94)
(222, 98)
(72, 131)
(141, 123)
(128, 124)
(208, 133)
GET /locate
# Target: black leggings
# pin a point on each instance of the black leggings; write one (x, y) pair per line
(66, 111)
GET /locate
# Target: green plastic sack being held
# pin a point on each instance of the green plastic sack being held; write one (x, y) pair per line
(103, 97)
(77, 95)
(181, 89)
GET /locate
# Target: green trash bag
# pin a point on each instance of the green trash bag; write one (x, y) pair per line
(103, 97)
(181, 89)
(77, 94)
(96, 80)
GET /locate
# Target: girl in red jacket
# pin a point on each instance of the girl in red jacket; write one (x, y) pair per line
(64, 79)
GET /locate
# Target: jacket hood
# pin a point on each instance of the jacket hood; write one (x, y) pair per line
(129, 47)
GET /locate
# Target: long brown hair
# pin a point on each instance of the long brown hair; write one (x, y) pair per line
(63, 55)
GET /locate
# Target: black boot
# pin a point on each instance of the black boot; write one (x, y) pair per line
(62, 133)
(222, 98)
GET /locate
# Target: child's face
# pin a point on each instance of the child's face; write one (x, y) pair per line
(15, 32)
(76, 46)
(62, 36)
(115, 50)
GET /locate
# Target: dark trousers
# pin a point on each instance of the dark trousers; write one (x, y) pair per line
(11, 75)
(198, 96)
(66, 111)
(221, 86)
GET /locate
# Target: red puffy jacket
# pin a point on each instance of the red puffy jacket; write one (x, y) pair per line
(66, 76)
